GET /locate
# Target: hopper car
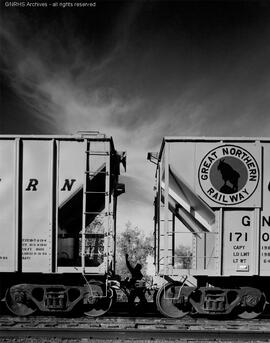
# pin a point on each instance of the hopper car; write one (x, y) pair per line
(58, 199)
(212, 226)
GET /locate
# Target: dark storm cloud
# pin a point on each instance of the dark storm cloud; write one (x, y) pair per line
(53, 57)
(160, 67)
(202, 70)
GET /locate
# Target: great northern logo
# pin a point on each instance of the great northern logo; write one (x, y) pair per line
(228, 174)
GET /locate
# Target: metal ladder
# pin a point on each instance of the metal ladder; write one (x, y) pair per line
(89, 175)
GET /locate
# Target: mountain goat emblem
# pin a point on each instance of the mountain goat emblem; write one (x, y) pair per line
(228, 175)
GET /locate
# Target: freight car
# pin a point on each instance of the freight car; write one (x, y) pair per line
(212, 223)
(58, 222)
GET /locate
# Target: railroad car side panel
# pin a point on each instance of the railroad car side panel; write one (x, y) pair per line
(197, 240)
(182, 161)
(240, 242)
(71, 168)
(165, 257)
(36, 206)
(214, 188)
(265, 214)
(8, 196)
(85, 212)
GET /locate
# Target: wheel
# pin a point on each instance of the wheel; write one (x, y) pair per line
(168, 302)
(97, 301)
(18, 303)
(251, 310)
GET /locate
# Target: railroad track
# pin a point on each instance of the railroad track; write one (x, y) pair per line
(129, 328)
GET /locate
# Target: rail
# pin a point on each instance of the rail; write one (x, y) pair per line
(114, 327)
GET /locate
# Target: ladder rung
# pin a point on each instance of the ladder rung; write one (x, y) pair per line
(180, 232)
(96, 173)
(94, 235)
(97, 153)
(93, 192)
(91, 212)
(106, 213)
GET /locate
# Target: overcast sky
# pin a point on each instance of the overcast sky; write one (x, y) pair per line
(138, 71)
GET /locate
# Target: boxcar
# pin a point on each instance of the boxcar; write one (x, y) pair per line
(212, 222)
(58, 199)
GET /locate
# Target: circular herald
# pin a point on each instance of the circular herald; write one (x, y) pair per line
(228, 174)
